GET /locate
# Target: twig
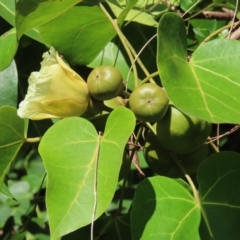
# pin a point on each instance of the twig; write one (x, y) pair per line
(213, 139)
(234, 16)
(95, 187)
(195, 192)
(137, 56)
(33, 140)
(218, 15)
(235, 34)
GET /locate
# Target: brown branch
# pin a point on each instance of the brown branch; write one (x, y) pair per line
(213, 139)
(218, 15)
(235, 34)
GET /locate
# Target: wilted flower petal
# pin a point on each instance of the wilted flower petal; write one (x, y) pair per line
(56, 91)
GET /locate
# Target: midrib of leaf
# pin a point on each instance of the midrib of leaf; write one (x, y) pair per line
(217, 74)
(221, 204)
(77, 195)
(13, 129)
(180, 222)
(206, 221)
(11, 144)
(201, 91)
(213, 185)
(8, 9)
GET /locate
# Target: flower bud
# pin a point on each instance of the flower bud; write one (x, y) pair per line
(56, 91)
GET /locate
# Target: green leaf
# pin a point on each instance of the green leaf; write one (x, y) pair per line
(8, 48)
(33, 13)
(125, 11)
(73, 153)
(219, 191)
(84, 39)
(7, 11)
(208, 85)
(164, 209)
(136, 14)
(12, 138)
(4, 190)
(9, 86)
(106, 227)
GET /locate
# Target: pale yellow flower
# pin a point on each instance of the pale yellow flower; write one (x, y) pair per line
(56, 91)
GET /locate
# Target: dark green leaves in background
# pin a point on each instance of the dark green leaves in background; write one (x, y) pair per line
(12, 138)
(8, 86)
(219, 191)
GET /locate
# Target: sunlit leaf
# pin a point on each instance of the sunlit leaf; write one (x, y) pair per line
(72, 152)
(124, 10)
(208, 85)
(84, 39)
(31, 13)
(7, 10)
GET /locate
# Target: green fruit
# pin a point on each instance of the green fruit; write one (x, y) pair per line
(105, 82)
(162, 162)
(180, 133)
(149, 102)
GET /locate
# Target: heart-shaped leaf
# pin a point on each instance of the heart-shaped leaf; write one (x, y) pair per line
(84, 166)
(12, 138)
(208, 85)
